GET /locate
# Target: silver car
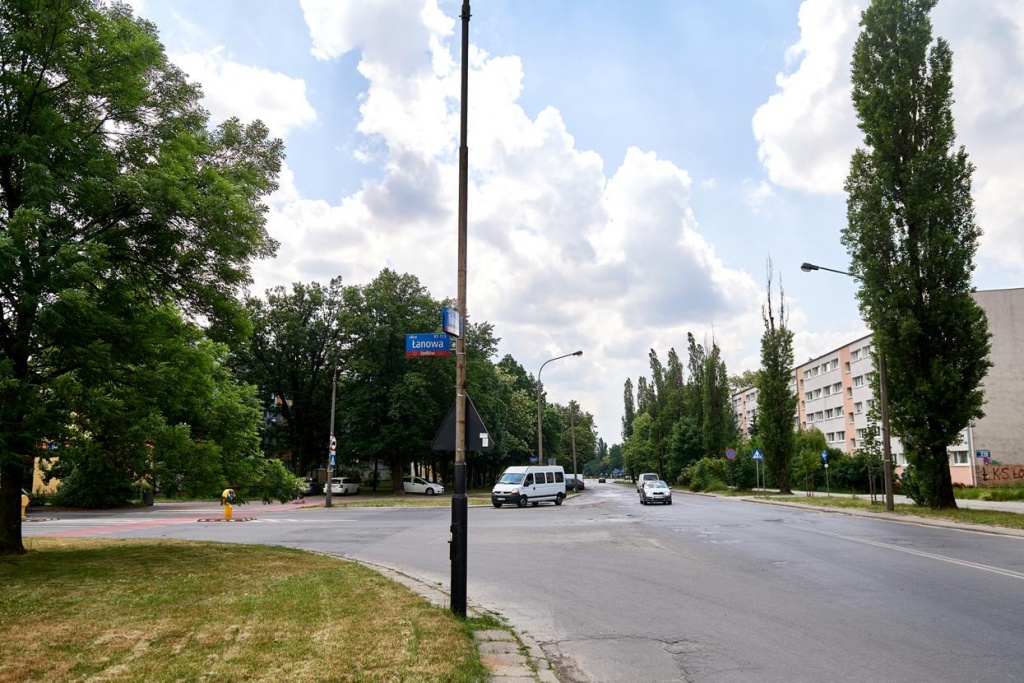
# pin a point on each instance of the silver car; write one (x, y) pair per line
(655, 492)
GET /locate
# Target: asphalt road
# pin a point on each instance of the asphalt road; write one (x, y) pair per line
(707, 589)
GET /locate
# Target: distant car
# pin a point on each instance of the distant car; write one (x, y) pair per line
(344, 486)
(655, 492)
(420, 485)
(646, 476)
(574, 483)
(601, 480)
(312, 487)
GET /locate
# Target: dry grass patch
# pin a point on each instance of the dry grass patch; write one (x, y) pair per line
(135, 610)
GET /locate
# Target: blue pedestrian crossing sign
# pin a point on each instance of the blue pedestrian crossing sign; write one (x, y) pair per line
(758, 455)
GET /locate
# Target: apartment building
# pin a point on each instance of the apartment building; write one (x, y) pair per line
(834, 395)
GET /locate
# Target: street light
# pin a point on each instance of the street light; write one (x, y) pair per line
(333, 445)
(883, 401)
(540, 419)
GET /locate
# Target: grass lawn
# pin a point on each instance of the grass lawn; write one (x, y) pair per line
(1010, 520)
(139, 610)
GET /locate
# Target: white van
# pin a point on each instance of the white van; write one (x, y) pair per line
(531, 484)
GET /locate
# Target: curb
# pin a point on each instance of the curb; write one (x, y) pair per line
(891, 517)
(509, 656)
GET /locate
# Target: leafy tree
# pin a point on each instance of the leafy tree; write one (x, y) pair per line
(912, 237)
(637, 453)
(776, 402)
(291, 356)
(629, 410)
(390, 406)
(719, 426)
(808, 466)
(116, 198)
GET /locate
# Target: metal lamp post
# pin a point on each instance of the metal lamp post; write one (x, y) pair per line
(540, 419)
(883, 402)
(333, 446)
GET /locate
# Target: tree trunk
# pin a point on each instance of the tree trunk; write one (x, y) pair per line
(10, 509)
(940, 482)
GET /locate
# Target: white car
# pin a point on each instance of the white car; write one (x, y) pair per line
(421, 485)
(655, 492)
(344, 486)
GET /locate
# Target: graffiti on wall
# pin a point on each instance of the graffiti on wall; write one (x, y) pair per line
(1000, 475)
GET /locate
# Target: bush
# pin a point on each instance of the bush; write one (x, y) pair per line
(94, 490)
(709, 474)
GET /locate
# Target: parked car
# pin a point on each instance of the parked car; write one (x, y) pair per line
(655, 492)
(646, 476)
(312, 487)
(601, 480)
(344, 486)
(573, 483)
(421, 485)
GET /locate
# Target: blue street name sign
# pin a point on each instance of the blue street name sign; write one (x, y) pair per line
(451, 321)
(758, 455)
(428, 344)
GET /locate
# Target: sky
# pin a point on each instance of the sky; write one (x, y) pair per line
(635, 168)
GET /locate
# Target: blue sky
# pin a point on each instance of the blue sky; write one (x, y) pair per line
(633, 164)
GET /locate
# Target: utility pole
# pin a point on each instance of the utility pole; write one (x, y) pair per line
(460, 504)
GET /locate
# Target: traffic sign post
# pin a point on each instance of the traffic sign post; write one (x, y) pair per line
(824, 458)
(758, 472)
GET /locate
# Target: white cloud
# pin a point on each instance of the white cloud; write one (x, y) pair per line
(807, 130)
(561, 256)
(248, 92)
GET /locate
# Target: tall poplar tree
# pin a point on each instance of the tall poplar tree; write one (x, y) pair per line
(912, 237)
(776, 400)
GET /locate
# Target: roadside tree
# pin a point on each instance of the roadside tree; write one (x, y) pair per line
(776, 402)
(117, 197)
(912, 238)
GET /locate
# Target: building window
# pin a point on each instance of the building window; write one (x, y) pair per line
(858, 407)
(851, 416)
(817, 393)
(959, 457)
(858, 381)
(860, 433)
(835, 363)
(809, 396)
(828, 390)
(855, 354)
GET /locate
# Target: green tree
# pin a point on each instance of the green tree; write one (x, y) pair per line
(390, 406)
(628, 410)
(116, 197)
(290, 356)
(719, 426)
(776, 402)
(912, 237)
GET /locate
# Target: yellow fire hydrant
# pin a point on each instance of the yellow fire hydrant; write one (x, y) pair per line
(227, 497)
(24, 506)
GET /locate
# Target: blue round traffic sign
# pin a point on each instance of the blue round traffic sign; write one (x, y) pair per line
(731, 453)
